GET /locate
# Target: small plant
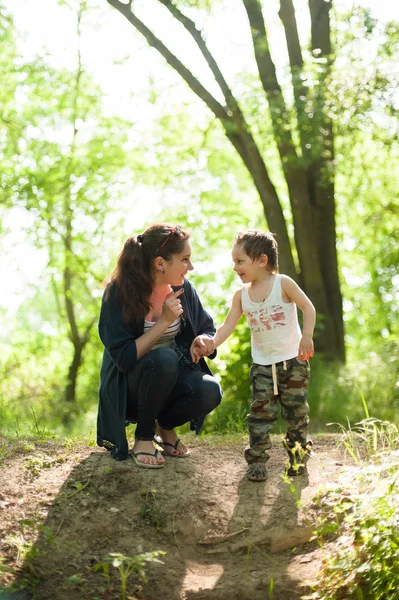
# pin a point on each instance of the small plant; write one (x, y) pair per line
(20, 544)
(35, 464)
(127, 566)
(370, 437)
(248, 555)
(271, 588)
(150, 510)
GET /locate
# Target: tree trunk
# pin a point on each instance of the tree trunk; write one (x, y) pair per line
(321, 175)
(70, 390)
(309, 228)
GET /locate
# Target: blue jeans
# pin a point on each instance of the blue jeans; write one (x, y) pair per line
(162, 390)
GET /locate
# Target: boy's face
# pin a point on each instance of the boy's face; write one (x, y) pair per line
(247, 269)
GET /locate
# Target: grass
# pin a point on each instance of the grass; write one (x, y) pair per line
(150, 510)
(361, 513)
(370, 438)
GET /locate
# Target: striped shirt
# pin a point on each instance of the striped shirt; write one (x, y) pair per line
(167, 338)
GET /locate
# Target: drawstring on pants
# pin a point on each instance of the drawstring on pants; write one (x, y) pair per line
(274, 376)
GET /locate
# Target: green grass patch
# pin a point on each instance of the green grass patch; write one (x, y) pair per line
(361, 513)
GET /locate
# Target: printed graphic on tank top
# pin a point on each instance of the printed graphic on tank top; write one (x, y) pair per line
(275, 331)
(267, 318)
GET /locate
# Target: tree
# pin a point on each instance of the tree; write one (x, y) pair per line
(303, 136)
(64, 159)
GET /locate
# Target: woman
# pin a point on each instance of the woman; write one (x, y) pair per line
(150, 322)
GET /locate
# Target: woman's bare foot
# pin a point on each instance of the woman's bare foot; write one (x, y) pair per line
(170, 437)
(147, 446)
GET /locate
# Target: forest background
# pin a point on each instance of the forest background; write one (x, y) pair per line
(100, 137)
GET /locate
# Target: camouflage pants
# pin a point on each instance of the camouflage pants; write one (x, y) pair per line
(292, 384)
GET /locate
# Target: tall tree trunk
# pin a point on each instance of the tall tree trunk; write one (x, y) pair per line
(73, 372)
(293, 169)
(321, 174)
(77, 342)
(316, 140)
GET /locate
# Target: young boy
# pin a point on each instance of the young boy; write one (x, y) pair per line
(280, 352)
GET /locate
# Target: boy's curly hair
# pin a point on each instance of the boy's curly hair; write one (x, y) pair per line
(256, 242)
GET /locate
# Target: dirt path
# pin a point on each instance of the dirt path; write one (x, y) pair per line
(224, 537)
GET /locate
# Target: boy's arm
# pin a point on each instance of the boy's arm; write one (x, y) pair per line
(223, 332)
(233, 316)
(295, 294)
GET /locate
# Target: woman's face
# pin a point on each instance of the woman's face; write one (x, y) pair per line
(176, 269)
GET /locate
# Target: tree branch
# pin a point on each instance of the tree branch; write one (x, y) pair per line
(68, 211)
(268, 76)
(320, 25)
(197, 87)
(89, 327)
(199, 40)
(232, 119)
(288, 19)
(240, 135)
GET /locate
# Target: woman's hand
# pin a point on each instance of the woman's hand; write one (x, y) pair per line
(201, 346)
(172, 308)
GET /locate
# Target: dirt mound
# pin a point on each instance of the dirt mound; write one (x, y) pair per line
(64, 510)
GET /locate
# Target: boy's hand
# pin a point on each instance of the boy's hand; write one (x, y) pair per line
(195, 354)
(306, 349)
(201, 346)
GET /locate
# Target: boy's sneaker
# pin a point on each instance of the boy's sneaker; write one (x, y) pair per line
(256, 465)
(257, 471)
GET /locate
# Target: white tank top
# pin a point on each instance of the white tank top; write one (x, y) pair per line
(275, 331)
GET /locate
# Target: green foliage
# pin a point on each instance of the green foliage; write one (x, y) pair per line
(362, 512)
(65, 171)
(370, 438)
(335, 391)
(127, 566)
(232, 367)
(76, 173)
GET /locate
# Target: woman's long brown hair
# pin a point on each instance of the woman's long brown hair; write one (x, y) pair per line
(134, 275)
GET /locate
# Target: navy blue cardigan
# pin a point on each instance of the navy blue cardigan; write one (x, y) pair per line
(120, 356)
